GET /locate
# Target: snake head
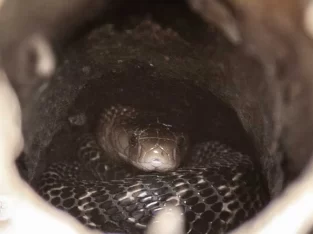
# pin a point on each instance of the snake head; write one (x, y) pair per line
(156, 149)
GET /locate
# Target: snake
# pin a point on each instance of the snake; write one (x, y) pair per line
(137, 162)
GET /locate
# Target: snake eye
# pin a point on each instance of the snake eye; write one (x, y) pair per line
(133, 140)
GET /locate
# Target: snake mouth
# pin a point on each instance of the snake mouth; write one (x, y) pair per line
(156, 159)
(155, 146)
(157, 166)
(156, 154)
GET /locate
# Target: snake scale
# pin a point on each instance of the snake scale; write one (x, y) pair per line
(137, 162)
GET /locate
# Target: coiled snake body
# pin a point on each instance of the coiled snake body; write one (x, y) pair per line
(136, 164)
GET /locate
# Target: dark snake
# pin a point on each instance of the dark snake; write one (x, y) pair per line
(137, 163)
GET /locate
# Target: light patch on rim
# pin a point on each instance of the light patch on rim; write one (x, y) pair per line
(6, 207)
(46, 62)
(308, 19)
(170, 220)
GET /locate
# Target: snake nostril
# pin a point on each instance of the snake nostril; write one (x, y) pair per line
(156, 162)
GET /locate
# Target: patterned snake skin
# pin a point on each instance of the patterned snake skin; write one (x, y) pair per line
(216, 187)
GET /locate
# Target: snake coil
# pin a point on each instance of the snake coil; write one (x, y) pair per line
(136, 164)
